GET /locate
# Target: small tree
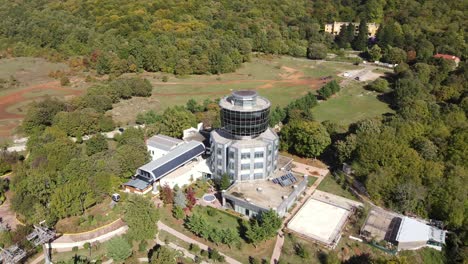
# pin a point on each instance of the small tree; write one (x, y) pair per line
(380, 85)
(191, 199)
(119, 249)
(163, 255)
(301, 251)
(325, 92)
(215, 255)
(317, 51)
(64, 81)
(178, 212)
(166, 195)
(224, 182)
(141, 217)
(96, 144)
(374, 53)
(179, 199)
(194, 248)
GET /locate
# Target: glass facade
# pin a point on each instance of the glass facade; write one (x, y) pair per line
(244, 123)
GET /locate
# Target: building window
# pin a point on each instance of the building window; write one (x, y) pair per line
(269, 152)
(259, 154)
(218, 151)
(258, 165)
(245, 155)
(231, 154)
(245, 177)
(258, 176)
(219, 162)
(245, 166)
(231, 165)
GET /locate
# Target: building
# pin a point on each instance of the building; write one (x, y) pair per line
(414, 234)
(448, 57)
(402, 232)
(335, 28)
(160, 145)
(245, 148)
(174, 164)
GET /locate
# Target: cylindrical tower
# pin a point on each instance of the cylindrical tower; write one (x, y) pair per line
(244, 114)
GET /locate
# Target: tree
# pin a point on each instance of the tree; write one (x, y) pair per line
(224, 182)
(190, 196)
(96, 144)
(163, 255)
(306, 138)
(141, 217)
(179, 199)
(360, 42)
(198, 225)
(263, 227)
(175, 120)
(118, 249)
(325, 92)
(129, 163)
(229, 236)
(317, 51)
(41, 114)
(374, 53)
(166, 194)
(394, 55)
(178, 212)
(380, 85)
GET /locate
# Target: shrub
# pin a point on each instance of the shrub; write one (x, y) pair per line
(87, 245)
(64, 81)
(75, 249)
(178, 212)
(142, 246)
(380, 85)
(194, 248)
(165, 78)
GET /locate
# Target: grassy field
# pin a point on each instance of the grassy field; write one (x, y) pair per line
(328, 184)
(32, 82)
(351, 104)
(280, 79)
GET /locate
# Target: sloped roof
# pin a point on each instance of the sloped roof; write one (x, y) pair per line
(174, 159)
(139, 183)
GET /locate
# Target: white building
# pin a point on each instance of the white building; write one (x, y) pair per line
(413, 234)
(160, 145)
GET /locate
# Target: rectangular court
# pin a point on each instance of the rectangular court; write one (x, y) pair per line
(320, 221)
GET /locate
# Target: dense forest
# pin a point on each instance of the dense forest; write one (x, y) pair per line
(198, 36)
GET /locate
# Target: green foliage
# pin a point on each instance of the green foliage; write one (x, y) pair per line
(119, 249)
(301, 251)
(317, 51)
(305, 138)
(263, 227)
(166, 194)
(380, 85)
(329, 89)
(178, 212)
(41, 114)
(360, 41)
(215, 256)
(163, 255)
(141, 217)
(142, 246)
(175, 120)
(224, 182)
(96, 144)
(374, 53)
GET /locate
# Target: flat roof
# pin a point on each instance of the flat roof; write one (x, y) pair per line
(163, 142)
(261, 102)
(174, 159)
(270, 196)
(320, 221)
(412, 230)
(139, 183)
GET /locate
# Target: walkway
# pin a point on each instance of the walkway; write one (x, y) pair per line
(178, 248)
(187, 239)
(7, 215)
(304, 169)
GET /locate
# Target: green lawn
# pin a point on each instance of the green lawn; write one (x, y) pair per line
(221, 220)
(280, 79)
(311, 180)
(351, 104)
(329, 184)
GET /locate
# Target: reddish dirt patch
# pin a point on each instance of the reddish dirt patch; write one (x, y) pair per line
(19, 96)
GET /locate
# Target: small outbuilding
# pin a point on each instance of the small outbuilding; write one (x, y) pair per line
(414, 234)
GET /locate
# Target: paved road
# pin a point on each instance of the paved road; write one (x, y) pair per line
(305, 169)
(187, 239)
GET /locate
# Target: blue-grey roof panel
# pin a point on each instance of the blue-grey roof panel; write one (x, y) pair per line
(174, 159)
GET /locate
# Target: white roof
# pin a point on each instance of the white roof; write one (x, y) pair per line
(412, 230)
(163, 142)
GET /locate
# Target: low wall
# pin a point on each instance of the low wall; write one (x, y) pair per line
(63, 246)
